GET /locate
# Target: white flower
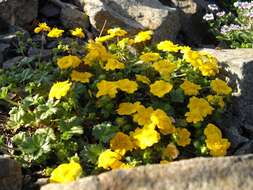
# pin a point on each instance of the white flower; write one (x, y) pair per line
(243, 5)
(208, 17)
(236, 4)
(220, 14)
(213, 7)
(224, 29)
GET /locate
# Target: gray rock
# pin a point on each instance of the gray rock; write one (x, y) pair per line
(10, 174)
(191, 13)
(10, 35)
(246, 148)
(43, 53)
(50, 10)
(18, 12)
(3, 48)
(4, 26)
(248, 130)
(29, 184)
(238, 66)
(11, 62)
(134, 15)
(71, 17)
(226, 173)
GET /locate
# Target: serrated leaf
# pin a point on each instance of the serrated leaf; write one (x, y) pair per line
(104, 132)
(70, 127)
(91, 152)
(35, 147)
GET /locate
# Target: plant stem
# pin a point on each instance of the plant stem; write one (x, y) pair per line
(9, 101)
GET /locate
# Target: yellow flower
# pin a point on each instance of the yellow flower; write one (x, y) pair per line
(125, 166)
(68, 61)
(113, 64)
(162, 121)
(65, 173)
(220, 87)
(145, 137)
(142, 117)
(209, 69)
(123, 43)
(104, 38)
(164, 162)
(194, 116)
(211, 131)
(184, 48)
(143, 79)
(83, 77)
(193, 57)
(78, 32)
(117, 32)
(164, 67)
(107, 88)
(127, 85)
(128, 108)
(190, 88)
(109, 160)
(168, 46)
(160, 88)
(63, 47)
(218, 147)
(55, 33)
(216, 100)
(96, 51)
(183, 137)
(210, 64)
(206, 63)
(149, 57)
(59, 89)
(143, 36)
(199, 109)
(215, 143)
(170, 152)
(43, 27)
(121, 143)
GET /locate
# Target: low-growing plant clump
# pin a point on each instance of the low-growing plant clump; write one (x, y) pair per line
(116, 102)
(234, 26)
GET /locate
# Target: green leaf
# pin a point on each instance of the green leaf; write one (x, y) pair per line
(4, 92)
(70, 127)
(177, 95)
(1, 140)
(91, 152)
(65, 150)
(104, 132)
(45, 111)
(35, 147)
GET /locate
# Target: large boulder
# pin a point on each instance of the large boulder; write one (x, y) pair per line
(226, 173)
(133, 15)
(191, 12)
(10, 174)
(18, 12)
(3, 48)
(71, 17)
(237, 123)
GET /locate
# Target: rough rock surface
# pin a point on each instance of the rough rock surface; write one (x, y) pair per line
(18, 12)
(71, 17)
(3, 48)
(226, 173)
(237, 123)
(10, 174)
(134, 15)
(191, 13)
